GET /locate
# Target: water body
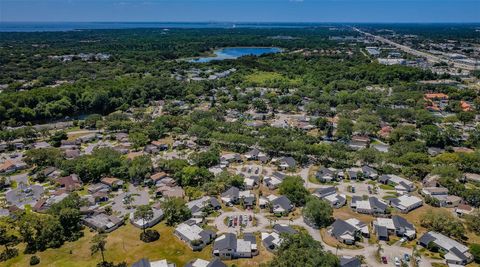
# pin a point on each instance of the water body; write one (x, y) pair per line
(236, 52)
(75, 26)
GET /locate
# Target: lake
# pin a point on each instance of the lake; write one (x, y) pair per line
(236, 52)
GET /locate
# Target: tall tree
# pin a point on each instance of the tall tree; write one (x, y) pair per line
(98, 244)
(145, 213)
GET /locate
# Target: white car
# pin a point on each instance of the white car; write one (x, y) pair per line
(397, 262)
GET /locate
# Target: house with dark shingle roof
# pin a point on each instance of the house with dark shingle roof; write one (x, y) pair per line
(228, 246)
(330, 195)
(453, 251)
(350, 262)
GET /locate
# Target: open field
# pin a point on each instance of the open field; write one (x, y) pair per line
(123, 244)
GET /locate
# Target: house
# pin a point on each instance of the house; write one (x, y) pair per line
(463, 209)
(228, 246)
(330, 195)
(359, 142)
(193, 235)
(350, 261)
(231, 196)
(10, 166)
(230, 158)
(402, 185)
(326, 174)
(162, 146)
(44, 204)
(372, 205)
(156, 177)
(274, 181)
(435, 101)
(273, 240)
(112, 182)
(94, 188)
(287, 163)
(473, 177)
(406, 203)
(252, 154)
(151, 149)
(147, 263)
(198, 206)
(281, 206)
(369, 172)
(102, 222)
(69, 183)
(354, 173)
(141, 223)
(454, 252)
(348, 231)
(440, 194)
(169, 191)
(251, 182)
(396, 225)
(216, 262)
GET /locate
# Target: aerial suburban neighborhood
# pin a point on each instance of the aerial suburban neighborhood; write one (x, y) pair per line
(311, 145)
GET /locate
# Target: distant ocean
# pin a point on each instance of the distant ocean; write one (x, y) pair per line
(72, 26)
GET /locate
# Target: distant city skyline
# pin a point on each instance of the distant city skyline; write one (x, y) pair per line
(366, 11)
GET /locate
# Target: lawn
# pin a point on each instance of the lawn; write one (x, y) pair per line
(122, 245)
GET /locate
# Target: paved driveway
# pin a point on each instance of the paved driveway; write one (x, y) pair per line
(139, 197)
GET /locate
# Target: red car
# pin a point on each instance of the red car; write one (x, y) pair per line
(384, 260)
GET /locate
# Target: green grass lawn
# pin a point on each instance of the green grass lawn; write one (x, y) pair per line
(123, 244)
(386, 187)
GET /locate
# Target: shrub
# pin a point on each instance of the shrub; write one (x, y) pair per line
(149, 236)
(8, 254)
(34, 260)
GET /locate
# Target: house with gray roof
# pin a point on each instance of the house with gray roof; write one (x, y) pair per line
(348, 231)
(141, 223)
(216, 262)
(401, 185)
(198, 206)
(350, 262)
(228, 246)
(144, 262)
(193, 235)
(287, 163)
(102, 222)
(406, 203)
(397, 225)
(281, 206)
(326, 174)
(454, 252)
(372, 205)
(330, 195)
(271, 241)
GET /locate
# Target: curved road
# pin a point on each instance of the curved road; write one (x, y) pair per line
(368, 250)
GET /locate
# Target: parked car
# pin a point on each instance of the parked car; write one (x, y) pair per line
(406, 257)
(397, 262)
(384, 260)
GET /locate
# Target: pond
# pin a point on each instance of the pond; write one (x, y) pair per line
(236, 52)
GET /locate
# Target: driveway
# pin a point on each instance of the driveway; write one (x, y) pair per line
(139, 197)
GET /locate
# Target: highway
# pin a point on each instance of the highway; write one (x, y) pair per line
(406, 49)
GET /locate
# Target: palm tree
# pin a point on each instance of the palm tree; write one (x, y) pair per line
(98, 244)
(415, 256)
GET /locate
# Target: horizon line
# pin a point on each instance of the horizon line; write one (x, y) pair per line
(258, 22)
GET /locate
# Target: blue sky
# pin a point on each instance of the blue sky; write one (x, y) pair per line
(242, 10)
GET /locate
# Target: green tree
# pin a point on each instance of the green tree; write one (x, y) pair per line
(8, 238)
(444, 222)
(57, 137)
(138, 138)
(175, 210)
(475, 250)
(344, 128)
(292, 187)
(145, 213)
(466, 117)
(302, 250)
(98, 244)
(318, 212)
